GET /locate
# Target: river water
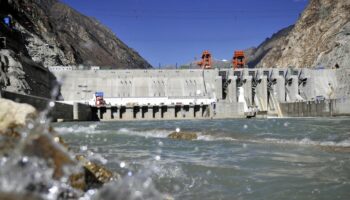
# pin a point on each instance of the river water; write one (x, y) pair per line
(232, 159)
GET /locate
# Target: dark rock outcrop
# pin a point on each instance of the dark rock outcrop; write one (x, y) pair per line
(20, 74)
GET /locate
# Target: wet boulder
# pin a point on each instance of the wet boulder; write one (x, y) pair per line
(52, 149)
(95, 175)
(42, 143)
(14, 115)
(90, 176)
(183, 136)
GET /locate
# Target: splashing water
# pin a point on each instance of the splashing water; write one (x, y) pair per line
(24, 170)
(302, 159)
(289, 158)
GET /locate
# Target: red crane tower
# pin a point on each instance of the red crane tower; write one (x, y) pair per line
(206, 60)
(239, 60)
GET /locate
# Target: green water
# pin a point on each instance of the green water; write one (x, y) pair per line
(232, 159)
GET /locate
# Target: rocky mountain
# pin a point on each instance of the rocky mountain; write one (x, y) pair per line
(55, 34)
(320, 38)
(49, 33)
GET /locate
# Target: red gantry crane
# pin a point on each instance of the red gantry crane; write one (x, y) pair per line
(206, 62)
(239, 60)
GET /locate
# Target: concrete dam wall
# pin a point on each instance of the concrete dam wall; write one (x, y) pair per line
(81, 84)
(196, 93)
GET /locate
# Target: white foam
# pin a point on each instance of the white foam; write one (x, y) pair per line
(157, 133)
(90, 129)
(168, 171)
(307, 141)
(147, 133)
(213, 138)
(304, 141)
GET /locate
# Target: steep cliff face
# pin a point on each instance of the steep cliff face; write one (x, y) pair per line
(321, 37)
(12, 75)
(20, 74)
(55, 34)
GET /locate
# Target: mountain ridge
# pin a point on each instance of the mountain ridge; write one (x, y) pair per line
(320, 38)
(56, 34)
(50, 33)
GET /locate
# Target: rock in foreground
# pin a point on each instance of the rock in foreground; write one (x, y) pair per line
(14, 115)
(183, 136)
(95, 175)
(34, 158)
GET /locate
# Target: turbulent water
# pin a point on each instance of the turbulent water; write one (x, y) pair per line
(231, 159)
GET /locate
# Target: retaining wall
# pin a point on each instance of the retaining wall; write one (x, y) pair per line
(60, 111)
(324, 108)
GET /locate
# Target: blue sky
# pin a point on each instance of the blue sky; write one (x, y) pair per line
(177, 31)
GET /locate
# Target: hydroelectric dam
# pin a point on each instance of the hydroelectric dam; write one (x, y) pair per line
(205, 94)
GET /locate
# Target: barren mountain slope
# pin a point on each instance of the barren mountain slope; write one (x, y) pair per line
(56, 34)
(321, 37)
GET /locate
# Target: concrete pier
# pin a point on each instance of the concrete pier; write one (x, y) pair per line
(247, 86)
(261, 93)
(232, 89)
